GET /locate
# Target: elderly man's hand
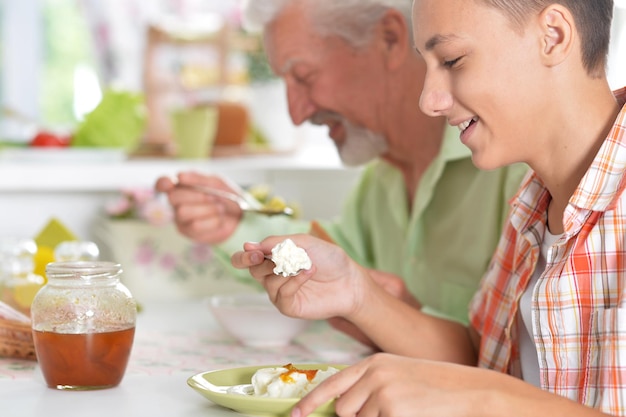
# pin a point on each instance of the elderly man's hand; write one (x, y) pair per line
(201, 217)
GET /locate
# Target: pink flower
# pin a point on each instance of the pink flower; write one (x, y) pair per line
(145, 253)
(140, 204)
(141, 196)
(118, 207)
(200, 254)
(156, 212)
(168, 261)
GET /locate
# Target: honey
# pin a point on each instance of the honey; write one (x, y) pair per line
(83, 361)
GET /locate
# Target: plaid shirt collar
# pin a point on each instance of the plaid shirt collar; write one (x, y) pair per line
(599, 189)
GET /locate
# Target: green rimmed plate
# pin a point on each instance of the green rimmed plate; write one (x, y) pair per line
(210, 385)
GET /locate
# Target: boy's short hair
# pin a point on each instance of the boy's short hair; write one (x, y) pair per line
(592, 19)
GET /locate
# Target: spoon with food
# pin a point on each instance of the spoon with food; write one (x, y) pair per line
(245, 204)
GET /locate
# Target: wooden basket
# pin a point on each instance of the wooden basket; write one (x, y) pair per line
(16, 340)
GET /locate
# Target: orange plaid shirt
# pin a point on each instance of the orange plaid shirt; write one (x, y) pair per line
(579, 302)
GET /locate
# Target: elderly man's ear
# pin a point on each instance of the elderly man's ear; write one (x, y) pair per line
(557, 34)
(394, 36)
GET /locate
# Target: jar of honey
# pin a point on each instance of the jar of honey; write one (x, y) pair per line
(83, 324)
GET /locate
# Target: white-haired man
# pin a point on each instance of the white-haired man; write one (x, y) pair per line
(421, 215)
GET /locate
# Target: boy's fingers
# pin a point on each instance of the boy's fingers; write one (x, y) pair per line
(247, 259)
(332, 388)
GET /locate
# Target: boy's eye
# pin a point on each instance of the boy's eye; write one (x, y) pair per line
(450, 63)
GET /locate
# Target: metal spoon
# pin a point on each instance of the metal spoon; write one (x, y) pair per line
(243, 203)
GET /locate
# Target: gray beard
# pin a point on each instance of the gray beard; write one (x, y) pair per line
(361, 145)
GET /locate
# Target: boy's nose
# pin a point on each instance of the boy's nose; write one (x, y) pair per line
(435, 99)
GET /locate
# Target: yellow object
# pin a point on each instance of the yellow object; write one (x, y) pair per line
(276, 203)
(44, 255)
(261, 192)
(48, 238)
(54, 233)
(24, 294)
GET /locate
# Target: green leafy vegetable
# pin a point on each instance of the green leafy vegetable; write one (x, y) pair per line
(118, 121)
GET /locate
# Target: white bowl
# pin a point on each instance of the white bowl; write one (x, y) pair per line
(253, 320)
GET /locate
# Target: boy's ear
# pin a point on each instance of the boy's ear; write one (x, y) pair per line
(558, 33)
(393, 34)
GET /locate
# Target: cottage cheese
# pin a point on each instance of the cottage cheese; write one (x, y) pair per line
(288, 381)
(289, 258)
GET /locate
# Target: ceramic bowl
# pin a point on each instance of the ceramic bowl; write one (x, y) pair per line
(253, 320)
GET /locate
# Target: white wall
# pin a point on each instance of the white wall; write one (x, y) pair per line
(21, 40)
(617, 52)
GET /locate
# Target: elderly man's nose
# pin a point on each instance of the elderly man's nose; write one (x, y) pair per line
(300, 106)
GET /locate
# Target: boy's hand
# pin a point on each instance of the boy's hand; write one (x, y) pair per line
(334, 286)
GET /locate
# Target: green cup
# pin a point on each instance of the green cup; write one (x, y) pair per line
(194, 131)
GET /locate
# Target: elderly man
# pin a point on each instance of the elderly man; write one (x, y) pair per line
(421, 210)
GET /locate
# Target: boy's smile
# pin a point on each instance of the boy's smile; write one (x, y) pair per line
(466, 127)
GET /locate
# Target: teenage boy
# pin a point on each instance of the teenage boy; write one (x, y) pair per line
(524, 80)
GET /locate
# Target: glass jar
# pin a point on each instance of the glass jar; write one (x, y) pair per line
(18, 281)
(76, 250)
(83, 324)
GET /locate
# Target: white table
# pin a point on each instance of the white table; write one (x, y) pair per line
(173, 342)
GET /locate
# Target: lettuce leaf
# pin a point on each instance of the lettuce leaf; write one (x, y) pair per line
(119, 121)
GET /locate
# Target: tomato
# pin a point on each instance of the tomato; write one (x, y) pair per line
(48, 139)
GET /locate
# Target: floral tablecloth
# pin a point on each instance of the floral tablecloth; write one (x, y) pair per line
(183, 337)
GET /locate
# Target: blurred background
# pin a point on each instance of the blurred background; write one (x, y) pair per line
(92, 93)
(57, 54)
(57, 57)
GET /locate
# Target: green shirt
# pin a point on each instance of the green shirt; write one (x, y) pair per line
(441, 249)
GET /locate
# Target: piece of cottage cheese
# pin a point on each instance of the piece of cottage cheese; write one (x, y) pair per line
(289, 258)
(288, 381)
